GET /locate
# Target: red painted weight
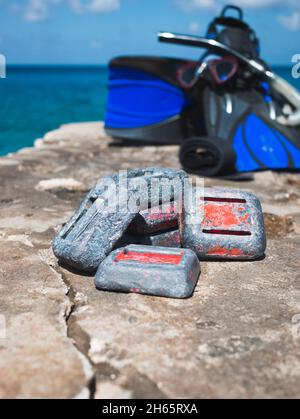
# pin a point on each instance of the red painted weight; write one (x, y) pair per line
(147, 258)
(160, 271)
(157, 219)
(232, 226)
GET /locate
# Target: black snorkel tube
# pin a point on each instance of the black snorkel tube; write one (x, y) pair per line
(279, 85)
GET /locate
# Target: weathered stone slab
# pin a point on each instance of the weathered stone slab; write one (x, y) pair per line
(237, 337)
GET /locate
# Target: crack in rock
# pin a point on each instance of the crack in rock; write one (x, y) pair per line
(77, 336)
(106, 380)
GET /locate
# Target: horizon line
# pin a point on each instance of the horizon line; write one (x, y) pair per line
(90, 65)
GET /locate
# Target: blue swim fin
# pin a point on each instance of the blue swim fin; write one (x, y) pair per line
(260, 145)
(242, 136)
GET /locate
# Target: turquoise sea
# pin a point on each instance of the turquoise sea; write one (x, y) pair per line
(37, 99)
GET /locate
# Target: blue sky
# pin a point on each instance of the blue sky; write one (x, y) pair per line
(93, 31)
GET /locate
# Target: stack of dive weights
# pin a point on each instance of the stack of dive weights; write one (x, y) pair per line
(152, 244)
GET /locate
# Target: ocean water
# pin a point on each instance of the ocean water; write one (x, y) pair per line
(37, 99)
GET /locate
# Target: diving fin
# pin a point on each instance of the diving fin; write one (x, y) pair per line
(242, 135)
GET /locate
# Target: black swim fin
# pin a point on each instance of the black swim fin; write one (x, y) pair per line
(242, 135)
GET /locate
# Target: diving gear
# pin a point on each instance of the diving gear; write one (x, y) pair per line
(223, 69)
(241, 136)
(146, 100)
(277, 84)
(229, 112)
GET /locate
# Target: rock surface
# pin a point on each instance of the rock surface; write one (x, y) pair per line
(60, 337)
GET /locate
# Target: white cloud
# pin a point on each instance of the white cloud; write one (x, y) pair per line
(99, 6)
(197, 4)
(39, 10)
(194, 27)
(94, 6)
(189, 5)
(76, 6)
(96, 44)
(36, 10)
(256, 3)
(292, 22)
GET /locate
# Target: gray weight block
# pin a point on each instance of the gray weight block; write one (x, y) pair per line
(229, 225)
(95, 228)
(158, 271)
